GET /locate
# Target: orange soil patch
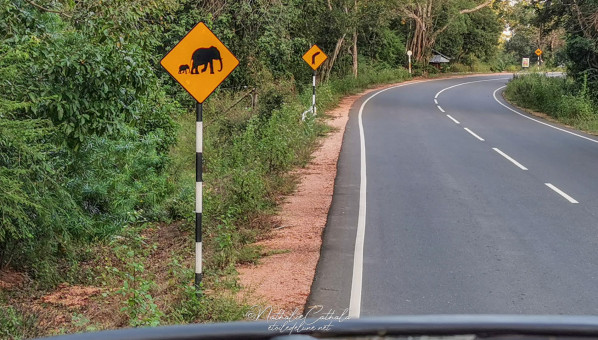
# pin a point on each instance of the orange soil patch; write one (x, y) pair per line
(72, 297)
(55, 311)
(10, 279)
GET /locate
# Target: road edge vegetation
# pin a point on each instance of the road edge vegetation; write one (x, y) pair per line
(249, 154)
(560, 98)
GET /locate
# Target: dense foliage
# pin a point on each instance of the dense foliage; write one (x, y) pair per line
(566, 31)
(86, 130)
(87, 117)
(582, 42)
(558, 97)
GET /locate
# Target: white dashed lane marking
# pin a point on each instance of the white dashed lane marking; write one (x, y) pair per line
(560, 192)
(510, 159)
(453, 119)
(474, 134)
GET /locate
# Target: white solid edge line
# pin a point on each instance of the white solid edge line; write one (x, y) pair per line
(473, 134)
(538, 121)
(560, 192)
(439, 108)
(453, 119)
(357, 278)
(510, 159)
(469, 82)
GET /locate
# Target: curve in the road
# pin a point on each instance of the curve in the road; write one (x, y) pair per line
(357, 277)
(538, 121)
(358, 257)
(551, 186)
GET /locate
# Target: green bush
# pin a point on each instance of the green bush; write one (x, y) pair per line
(538, 92)
(429, 69)
(479, 66)
(120, 180)
(38, 216)
(557, 97)
(85, 131)
(15, 325)
(369, 73)
(513, 68)
(392, 48)
(459, 68)
(576, 107)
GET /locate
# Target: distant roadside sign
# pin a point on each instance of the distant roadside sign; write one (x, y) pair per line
(409, 53)
(525, 62)
(538, 52)
(200, 62)
(315, 57)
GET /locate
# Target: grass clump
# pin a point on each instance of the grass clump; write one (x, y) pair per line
(560, 98)
(15, 325)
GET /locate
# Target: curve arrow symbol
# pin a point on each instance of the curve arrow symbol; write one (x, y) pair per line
(313, 58)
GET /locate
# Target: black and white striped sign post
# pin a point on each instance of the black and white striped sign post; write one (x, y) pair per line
(188, 64)
(314, 58)
(314, 94)
(198, 192)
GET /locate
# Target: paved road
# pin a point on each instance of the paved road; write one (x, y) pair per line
(470, 207)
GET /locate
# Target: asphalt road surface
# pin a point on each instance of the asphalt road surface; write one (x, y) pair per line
(450, 201)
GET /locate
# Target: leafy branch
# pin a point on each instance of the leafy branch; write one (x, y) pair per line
(47, 9)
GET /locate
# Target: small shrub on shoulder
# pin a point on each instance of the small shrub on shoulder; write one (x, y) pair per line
(557, 97)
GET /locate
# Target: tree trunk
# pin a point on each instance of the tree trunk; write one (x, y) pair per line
(330, 62)
(355, 53)
(355, 66)
(419, 42)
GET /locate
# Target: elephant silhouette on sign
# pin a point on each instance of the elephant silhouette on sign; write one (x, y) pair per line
(206, 57)
(183, 69)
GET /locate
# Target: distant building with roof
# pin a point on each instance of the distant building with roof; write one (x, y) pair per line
(438, 59)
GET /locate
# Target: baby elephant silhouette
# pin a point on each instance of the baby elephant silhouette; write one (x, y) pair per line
(205, 57)
(183, 69)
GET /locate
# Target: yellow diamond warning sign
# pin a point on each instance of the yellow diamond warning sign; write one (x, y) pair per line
(538, 52)
(315, 57)
(200, 62)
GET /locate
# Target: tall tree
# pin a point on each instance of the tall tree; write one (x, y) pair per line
(432, 17)
(579, 20)
(354, 51)
(582, 42)
(349, 21)
(474, 35)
